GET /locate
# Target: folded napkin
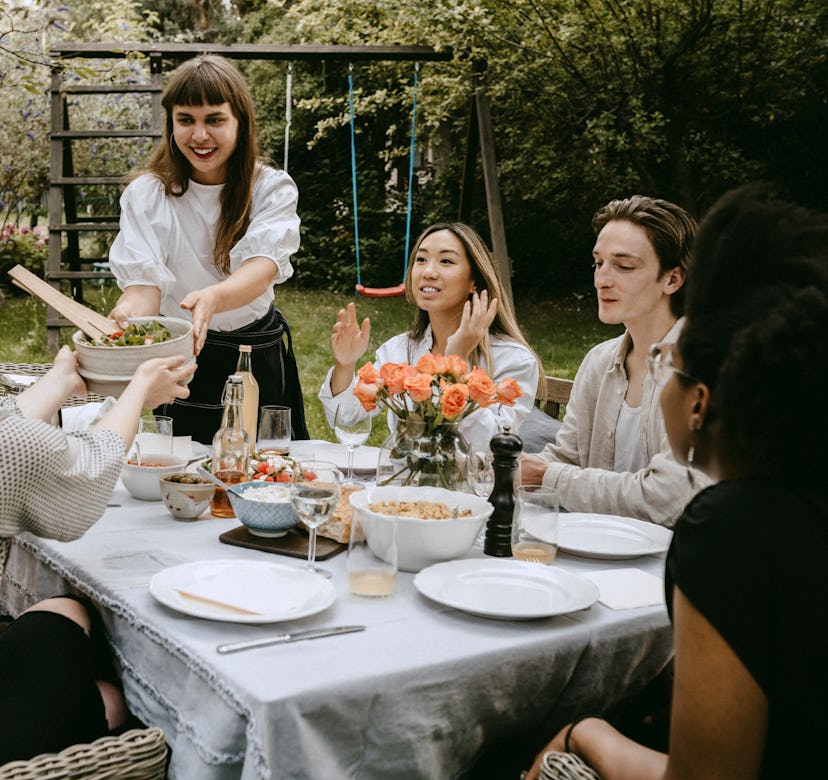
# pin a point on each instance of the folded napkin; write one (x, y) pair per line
(84, 416)
(628, 588)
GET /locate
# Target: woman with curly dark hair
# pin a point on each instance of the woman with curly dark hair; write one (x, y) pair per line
(743, 401)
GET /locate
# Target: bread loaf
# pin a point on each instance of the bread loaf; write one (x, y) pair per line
(338, 525)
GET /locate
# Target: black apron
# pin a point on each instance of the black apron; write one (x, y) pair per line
(274, 367)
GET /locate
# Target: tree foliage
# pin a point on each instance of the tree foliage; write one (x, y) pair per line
(591, 100)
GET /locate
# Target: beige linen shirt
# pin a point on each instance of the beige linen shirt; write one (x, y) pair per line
(582, 458)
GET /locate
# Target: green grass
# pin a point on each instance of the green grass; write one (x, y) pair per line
(561, 331)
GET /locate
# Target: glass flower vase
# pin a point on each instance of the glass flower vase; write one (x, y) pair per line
(419, 453)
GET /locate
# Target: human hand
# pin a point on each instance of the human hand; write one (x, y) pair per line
(162, 380)
(478, 315)
(532, 469)
(349, 340)
(65, 368)
(202, 304)
(121, 313)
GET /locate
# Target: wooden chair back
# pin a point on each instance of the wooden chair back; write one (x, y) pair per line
(558, 391)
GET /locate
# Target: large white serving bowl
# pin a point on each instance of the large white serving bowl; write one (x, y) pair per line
(143, 482)
(108, 370)
(422, 542)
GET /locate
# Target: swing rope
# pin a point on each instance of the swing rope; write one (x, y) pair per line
(383, 292)
(288, 110)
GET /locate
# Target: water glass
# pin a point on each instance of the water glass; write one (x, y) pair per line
(314, 493)
(155, 435)
(274, 431)
(372, 556)
(535, 524)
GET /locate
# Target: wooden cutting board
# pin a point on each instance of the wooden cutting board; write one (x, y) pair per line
(88, 320)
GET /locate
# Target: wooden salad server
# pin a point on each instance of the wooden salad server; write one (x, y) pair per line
(94, 325)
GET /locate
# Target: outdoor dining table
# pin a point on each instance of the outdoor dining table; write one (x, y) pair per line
(415, 695)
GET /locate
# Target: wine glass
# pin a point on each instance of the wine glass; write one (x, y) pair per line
(351, 429)
(314, 493)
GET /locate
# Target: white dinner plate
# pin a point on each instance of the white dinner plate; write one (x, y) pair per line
(253, 591)
(610, 536)
(365, 457)
(506, 589)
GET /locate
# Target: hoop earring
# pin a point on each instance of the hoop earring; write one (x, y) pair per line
(173, 146)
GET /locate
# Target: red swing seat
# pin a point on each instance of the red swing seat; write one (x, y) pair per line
(380, 292)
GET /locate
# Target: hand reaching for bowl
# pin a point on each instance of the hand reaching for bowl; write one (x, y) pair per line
(42, 400)
(155, 382)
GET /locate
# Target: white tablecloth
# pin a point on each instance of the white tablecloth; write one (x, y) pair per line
(416, 695)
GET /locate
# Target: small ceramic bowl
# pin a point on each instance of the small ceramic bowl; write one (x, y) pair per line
(186, 495)
(142, 482)
(270, 518)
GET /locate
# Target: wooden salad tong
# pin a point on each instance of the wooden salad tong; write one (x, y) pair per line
(94, 325)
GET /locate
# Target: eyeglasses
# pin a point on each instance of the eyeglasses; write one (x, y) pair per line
(660, 364)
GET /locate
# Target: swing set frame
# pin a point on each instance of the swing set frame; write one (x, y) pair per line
(480, 139)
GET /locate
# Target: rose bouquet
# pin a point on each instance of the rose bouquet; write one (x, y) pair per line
(429, 399)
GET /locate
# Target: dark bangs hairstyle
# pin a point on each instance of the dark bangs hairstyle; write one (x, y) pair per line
(210, 80)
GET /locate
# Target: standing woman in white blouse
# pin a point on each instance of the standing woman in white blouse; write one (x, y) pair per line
(206, 230)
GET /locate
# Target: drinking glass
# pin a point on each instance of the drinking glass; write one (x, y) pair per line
(314, 492)
(535, 524)
(351, 429)
(372, 556)
(155, 434)
(274, 431)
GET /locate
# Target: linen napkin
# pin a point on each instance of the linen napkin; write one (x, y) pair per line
(84, 416)
(628, 588)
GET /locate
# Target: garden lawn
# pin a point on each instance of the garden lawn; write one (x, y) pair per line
(560, 330)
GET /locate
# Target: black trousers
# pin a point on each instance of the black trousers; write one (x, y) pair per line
(48, 696)
(274, 366)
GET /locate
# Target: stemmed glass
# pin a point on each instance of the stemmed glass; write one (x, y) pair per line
(352, 430)
(314, 493)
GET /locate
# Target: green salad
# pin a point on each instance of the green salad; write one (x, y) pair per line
(134, 335)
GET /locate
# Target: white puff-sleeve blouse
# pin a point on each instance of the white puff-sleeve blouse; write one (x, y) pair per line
(167, 241)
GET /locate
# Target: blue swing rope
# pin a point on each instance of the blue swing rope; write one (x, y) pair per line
(353, 167)
(411, 170)
(400, 289)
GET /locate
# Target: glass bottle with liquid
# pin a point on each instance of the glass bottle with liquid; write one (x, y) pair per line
(250, 404)
(231, 448)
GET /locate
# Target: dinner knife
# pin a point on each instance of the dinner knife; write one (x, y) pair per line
(282, 639)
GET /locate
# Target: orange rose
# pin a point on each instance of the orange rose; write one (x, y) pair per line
(507, 391)
(368, 373)
(393, 376)
(366, 394)
(456, 365)
(418, 387)
(454, 399)
(481, 387)
(431, 364)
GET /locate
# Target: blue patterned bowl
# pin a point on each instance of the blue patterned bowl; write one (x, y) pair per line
(269, 518)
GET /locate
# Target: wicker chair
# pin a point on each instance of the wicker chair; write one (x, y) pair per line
(9, 387)
(565, 766)
(139, 754)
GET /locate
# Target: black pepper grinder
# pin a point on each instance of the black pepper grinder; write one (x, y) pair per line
(505, 448)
